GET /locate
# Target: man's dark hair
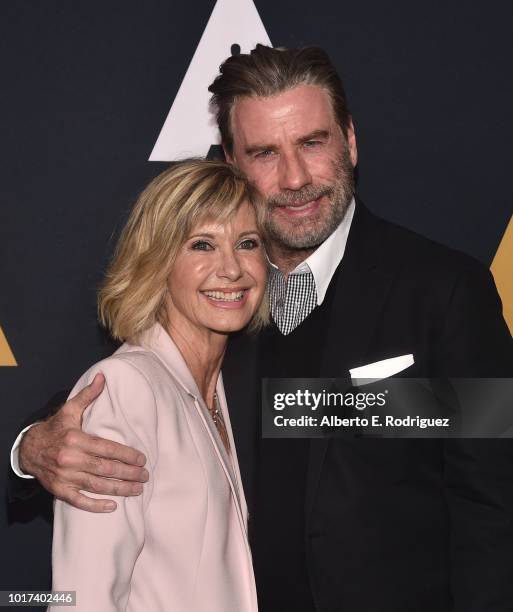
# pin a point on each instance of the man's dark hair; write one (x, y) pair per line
(266, 72)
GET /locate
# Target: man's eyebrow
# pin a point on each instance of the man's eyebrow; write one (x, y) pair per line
(313, 136)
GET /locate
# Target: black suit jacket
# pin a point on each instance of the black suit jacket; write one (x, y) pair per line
(404, 525)
(399, 525)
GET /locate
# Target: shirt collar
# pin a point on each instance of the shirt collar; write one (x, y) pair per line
(325, 259)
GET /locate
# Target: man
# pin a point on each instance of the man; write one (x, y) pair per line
(353, 524)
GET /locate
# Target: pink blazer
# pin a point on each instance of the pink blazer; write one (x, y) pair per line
(182, 545)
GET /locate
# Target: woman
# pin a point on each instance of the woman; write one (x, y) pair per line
(189, 269)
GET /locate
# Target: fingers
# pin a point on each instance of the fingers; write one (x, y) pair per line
(97, 485)
(75, 460)
(114, 469)
(108, 449)
(81, 453)
(82, 502)
(91, 446)
(66, 484)
(99, 447)
(81, 400)
(109, 486)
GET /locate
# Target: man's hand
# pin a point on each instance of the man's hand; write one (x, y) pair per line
(66, 460)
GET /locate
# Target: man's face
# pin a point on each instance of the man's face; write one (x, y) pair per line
(291, 146)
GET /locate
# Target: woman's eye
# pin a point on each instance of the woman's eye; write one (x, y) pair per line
(249, 244)
(202, 245)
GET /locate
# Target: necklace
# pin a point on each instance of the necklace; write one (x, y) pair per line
(217, 417)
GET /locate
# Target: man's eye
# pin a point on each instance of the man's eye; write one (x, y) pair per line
(202, 245)
(264, 154)
(249, 244)
(309, 144)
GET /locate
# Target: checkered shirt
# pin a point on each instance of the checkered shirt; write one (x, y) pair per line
(292, 299)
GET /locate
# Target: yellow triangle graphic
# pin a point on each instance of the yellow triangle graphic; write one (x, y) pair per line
(502, 270)
(6, 356)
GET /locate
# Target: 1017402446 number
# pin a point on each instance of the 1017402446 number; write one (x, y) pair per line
(21, 598)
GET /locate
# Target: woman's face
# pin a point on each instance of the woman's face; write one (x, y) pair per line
(218, 279)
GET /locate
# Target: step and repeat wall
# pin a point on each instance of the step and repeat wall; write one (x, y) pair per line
(96, 98)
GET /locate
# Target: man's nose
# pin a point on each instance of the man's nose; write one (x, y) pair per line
(293, 171)
(229, 265)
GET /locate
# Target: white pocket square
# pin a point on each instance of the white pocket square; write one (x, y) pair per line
(382, 369)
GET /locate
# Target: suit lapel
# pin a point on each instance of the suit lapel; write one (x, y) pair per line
(232, 458)
(229, 467)
(242, 387)
(363, 284)
(362, 287)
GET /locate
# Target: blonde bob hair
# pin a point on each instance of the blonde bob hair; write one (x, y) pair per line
(132, 296)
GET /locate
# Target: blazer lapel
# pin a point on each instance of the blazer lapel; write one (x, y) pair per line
(362, 288)
(214, 433)
(161, 344)
(230, 468)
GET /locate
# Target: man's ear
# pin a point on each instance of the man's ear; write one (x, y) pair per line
(228, 156)
(351, 142)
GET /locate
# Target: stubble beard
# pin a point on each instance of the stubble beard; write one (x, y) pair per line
(308, 233)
